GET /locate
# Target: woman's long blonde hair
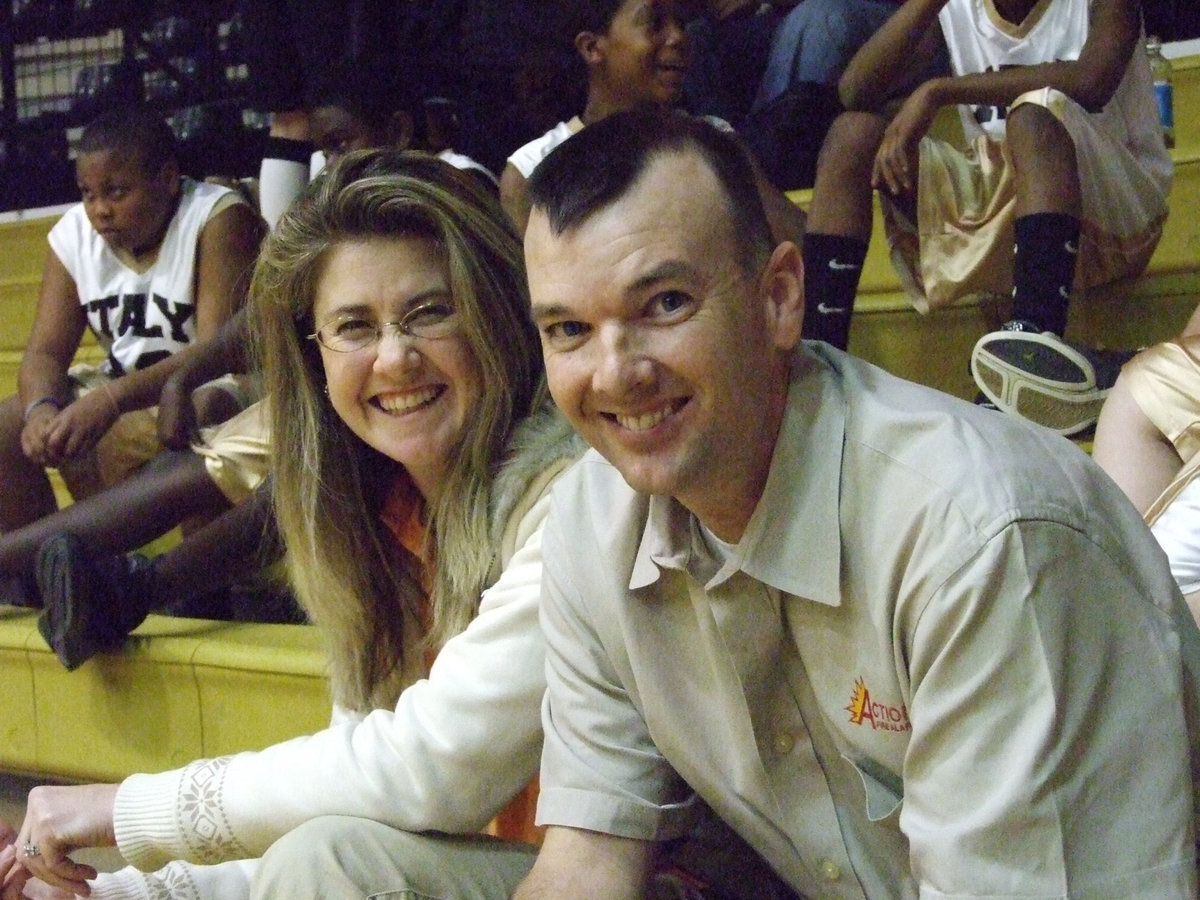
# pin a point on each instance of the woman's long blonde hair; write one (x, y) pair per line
(329, 487)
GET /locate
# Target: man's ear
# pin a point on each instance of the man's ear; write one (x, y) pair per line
(781, 287)
(400, 129)
(590, 46)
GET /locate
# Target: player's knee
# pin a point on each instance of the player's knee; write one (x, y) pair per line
(1032, 132)
(852, 142)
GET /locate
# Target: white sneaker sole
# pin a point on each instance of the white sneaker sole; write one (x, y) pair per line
(1066, 407)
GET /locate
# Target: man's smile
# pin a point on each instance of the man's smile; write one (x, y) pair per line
(646, 420)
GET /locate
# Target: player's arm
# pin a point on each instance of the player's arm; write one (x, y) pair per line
(58, 326)
(223, 353)
(514, 196)
(225, 255)
(586, 865)
(892, 60)
(42, 382)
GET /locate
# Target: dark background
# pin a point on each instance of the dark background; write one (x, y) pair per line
(216, 68)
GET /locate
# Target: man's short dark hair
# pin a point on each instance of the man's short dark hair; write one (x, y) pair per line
(133, 128)
(599, 165)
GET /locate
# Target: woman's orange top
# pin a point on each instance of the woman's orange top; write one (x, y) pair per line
(402, 515)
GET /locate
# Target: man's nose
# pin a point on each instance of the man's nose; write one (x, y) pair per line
(621, 365)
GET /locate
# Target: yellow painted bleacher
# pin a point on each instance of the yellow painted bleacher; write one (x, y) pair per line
(184, 689)
(187, 688)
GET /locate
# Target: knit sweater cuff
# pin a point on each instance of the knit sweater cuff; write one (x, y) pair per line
(124, 884)
(146, 821)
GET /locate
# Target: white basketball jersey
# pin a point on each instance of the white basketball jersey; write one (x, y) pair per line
(141, 317)
(979, 40)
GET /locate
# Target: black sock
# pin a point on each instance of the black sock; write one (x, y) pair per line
(832, 267)
(1047, 247)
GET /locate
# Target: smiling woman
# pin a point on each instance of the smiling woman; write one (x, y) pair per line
(408, 396)
(410, 475)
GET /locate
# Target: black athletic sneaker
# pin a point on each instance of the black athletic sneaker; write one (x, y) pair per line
(1039, 376)
(18, 591)
(90, 604)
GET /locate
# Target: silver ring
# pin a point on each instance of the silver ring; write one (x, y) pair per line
(31, 850)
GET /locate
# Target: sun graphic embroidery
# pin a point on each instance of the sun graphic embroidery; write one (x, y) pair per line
(880, 716)
(860, 700)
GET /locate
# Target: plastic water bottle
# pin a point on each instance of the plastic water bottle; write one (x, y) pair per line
(1160, 67)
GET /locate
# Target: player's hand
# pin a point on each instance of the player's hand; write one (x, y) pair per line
(896, 161)
(79, 426)
(36, 432)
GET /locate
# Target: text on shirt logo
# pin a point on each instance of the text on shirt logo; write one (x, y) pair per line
(881, 716)
(133, 315)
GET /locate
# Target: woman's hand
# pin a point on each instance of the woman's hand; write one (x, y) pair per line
(15, 883)
(8, 858)
(59, 820)
(12, 876)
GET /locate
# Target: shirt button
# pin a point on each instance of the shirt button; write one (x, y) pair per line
(784, 743)
(831, 870)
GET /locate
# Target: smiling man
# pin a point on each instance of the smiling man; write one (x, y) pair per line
(905, 647)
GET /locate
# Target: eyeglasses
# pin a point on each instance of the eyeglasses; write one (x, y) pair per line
(346, 334)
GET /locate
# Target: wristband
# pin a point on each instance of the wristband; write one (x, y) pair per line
(38, 402)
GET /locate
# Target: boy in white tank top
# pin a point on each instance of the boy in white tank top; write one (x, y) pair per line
(635, 54)
(152, 262)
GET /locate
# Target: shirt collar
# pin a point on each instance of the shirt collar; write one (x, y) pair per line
(793, 539)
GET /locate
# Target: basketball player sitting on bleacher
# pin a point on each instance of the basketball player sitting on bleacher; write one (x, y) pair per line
(1065, 162)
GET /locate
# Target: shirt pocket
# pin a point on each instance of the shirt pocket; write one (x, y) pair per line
(884, 790)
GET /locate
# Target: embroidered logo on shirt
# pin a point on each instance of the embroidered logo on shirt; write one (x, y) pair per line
(881, 717)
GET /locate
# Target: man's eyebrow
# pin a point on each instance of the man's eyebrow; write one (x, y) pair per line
(670, 270)
(543, 311)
